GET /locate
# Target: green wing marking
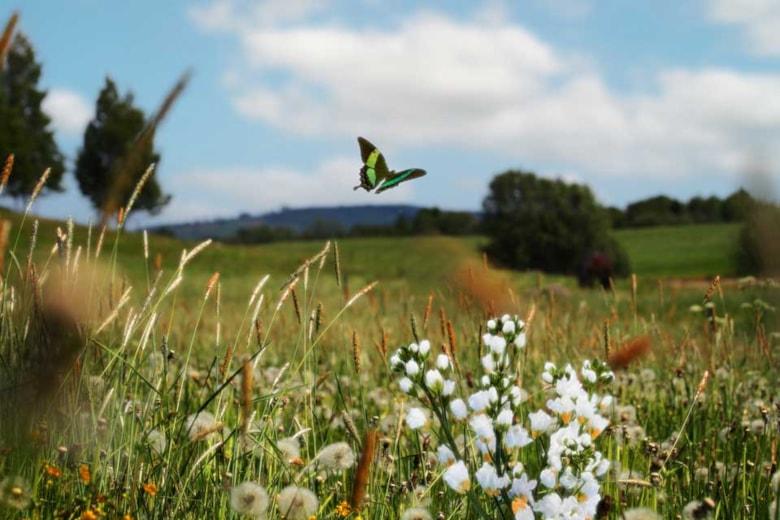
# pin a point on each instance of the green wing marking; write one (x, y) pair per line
(374, 168)
(397, 178)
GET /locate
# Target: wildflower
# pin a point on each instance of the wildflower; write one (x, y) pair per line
(290, 449)
(522, 510)
(444, 455)
(415, 418)
(200, 426)
(458, 409)
(405, 384)
(424, 347)
(640, 513)
(343, 509)
(84, 474)
(434, 381)
(89, 514)
(504, 419)
(150, 488)
(482, 426)
(442, 362)
(15, 493)
(416, 513)
(508, 328)
(457, 477)
(697, 509)
(540, 422)
(448, 388)
(517, 437)
(522, 487)
(478, 401)
(337, 456)
(490, 481)
(297, 503)
(412, 368)
(249, 499)
(157, 441)
(548, 477)
(520, 340)
(488, 363)
(52, 471)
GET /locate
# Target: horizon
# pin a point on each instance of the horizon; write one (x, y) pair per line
(656, 99)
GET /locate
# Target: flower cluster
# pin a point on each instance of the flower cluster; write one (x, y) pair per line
(540, 463)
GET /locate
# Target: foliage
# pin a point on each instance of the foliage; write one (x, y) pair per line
(24, 127)
(104, 170)
(536, 223)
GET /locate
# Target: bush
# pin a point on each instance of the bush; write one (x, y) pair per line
(547, 224)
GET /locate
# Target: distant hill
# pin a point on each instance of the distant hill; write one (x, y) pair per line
(298, 220)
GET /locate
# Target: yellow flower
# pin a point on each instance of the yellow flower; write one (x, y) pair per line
(343, 509)
(52, 471)
(89, 515)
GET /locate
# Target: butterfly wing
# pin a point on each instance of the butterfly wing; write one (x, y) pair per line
(374, 169)
(397, 178)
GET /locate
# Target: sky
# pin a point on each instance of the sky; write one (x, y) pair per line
(633, 98)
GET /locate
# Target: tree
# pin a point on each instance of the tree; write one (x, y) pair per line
(546, 224)
(656, 211)
(105, 171)
(24, 127)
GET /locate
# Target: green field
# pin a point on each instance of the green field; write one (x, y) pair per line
(106, 392)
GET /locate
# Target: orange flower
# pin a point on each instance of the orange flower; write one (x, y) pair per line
(84, 474)
(150, 488)
(343, 509)
(89, 515)
(52, 471)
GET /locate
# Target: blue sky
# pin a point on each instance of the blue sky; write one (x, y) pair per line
(633, 98)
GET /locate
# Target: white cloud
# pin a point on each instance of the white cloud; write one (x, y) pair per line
(760, 19)
(234, 14)
(496, 86)
(68, 110)
(256, 190)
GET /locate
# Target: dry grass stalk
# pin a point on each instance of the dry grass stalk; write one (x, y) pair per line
(427, 312)
(629, 352)
(212, 281)
(7, 168)
(484, 287)
(217, 426)
(607, 346)
(356, 351)
(529, 318)
(337, 263)
(7, 37)
(37, 189)
(413, 326)
(361, 293)
(443, 322)
(633, 293)
(225, 365)
(452, 341)
(246, 395)
(296, 306)
(349, 424)
(363, 472)
(5, 230)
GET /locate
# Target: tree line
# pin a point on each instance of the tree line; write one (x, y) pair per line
(117, 146)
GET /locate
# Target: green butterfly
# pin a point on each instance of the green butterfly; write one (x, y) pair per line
(374, 175)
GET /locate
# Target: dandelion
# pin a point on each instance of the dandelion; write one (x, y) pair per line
(416, 513)
(249, 499)
(201, 425)
(338, 456)
(297, 503)
(415, 418)
(457, 477)
(15, 493)
(157, 441)
(290, 449)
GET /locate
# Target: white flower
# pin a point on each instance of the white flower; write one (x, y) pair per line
(482, 426)
(249, 499)
(290, 448)
(412, 368)
(434, 381)
(520, 340)
(457, 477)
(395, 360)
(297, 503)
(416, 513)
(491, 324)
(548, 477)
(480, 400)
(490, 481)
(425, 347)
(442, 362)
(509, 327)
(522, 487)
(337, 456)
(540, 422)
(517, 437)
(458, 409)
(504, 418)
(414, 347)
(444, 455)
(519, 396)
(498, 345)
(157, 441)
(449, 387)
(406, 384)
(488, 363)
(415, 418)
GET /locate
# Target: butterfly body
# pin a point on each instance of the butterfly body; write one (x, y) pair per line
(375, 175)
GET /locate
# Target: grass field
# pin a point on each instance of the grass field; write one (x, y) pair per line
(139, 390)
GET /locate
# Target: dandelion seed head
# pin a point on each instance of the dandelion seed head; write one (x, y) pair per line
(249, 499)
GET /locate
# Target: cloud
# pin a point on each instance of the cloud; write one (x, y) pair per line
(760, 19)
(495, 86)
(236, 14)
(68, 110)
(229, 191)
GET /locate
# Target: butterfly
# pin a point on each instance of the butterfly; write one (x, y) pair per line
(375, 175)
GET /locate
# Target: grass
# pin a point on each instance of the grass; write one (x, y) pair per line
(91, 384)
(701, 250)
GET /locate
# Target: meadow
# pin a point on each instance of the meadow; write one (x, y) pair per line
(150, 378)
